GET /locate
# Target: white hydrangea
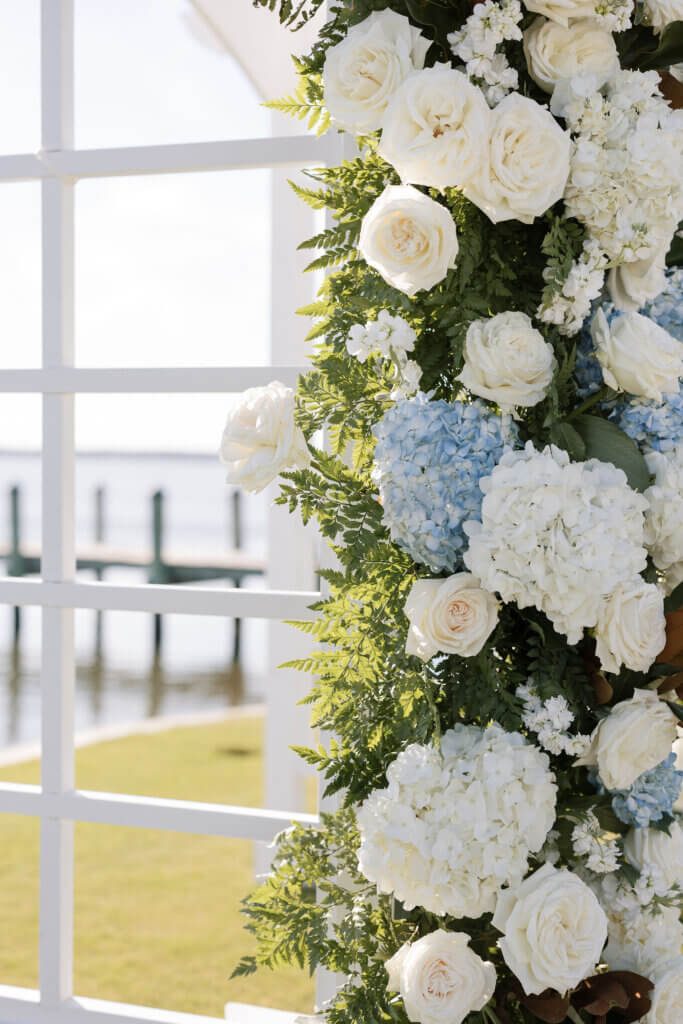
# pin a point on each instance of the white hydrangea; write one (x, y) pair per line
(477, 42)
(390, 338)
(550, 720)
(570, 306)
(589, 841)
(557, 535)
(664, 516)
(626, 182)
(457, 823)
(642, 931)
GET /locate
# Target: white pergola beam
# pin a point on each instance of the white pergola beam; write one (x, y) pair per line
(180, 158)
(169, 380)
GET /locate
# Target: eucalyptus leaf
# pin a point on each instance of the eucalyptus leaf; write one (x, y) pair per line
(565, 436)
(675, 599)
(605, 441)
(668, 52)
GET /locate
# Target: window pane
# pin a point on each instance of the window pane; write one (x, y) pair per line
(173, 270)
(153, 71)
(158, 924)
(20, 273)
(19, 79)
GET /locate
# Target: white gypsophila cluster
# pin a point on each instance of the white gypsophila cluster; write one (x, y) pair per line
(550, 720)
(614, 15)
(391, 338)
(477, 42)
(557, 535)
(572, 303)
(664, 516)
(625, 182)
(457, 823)
(602, 855)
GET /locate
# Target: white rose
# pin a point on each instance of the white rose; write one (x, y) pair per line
(637, 355)
(631, 285)
(409, 239)
(363, 71)
(528, 162)
(507, 361)
(667, 996)
(451, 616)
(555, 51)
(440, 979)
(636, 736)
(261, 438)
(660, 13)
(644, 846)
(631, 627)
(562, 11)
(553, 930)
(435, 128)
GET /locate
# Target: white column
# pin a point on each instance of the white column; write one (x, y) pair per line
(58, 563)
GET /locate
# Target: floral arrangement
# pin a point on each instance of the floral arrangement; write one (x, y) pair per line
(498, 349)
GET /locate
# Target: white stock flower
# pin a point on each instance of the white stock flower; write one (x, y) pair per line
(555, 51)
(589, 841)
(451, 616)
(633, 284)
(631, 629)
(409, 239)
(457, 823)
(553, 930)
(435, 129)
(664, 516)
(660, 13)
(557, 535)
(562, 11)
(362, 72)
(667, 997)
(641, 933)
(636, 736)
(527, 163)
(261, 439)
(637, 355)
(507, 361)
(441, 980)
(644, 846)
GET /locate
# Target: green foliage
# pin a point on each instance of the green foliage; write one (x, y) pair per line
(292, 13)
(562, 245)
(307, 102)
(605, 441)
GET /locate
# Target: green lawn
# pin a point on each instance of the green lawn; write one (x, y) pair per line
(157, 917)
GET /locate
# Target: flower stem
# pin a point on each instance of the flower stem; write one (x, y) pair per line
(589, 402)
(574, 1015)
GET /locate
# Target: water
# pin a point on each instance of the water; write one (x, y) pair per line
(123, 681)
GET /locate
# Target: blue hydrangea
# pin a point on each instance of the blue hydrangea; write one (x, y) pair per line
(429, 459)
(667, 308)
(652, 424)
(587, 371)
(650, 797)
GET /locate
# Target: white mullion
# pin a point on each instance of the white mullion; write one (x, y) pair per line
(58, 561)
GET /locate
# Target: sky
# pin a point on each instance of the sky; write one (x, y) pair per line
(171, 270)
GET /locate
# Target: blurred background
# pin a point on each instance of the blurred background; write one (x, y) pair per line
(170, 270)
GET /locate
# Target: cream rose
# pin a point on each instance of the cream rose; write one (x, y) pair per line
(507, 361)
(667, 998)
(644, 846)
(562, 11)
(451, 616)
(660, 13)
(440, 979)
(636, 736)
(363, 71)
(637, 355)
(261, 438)
(528, 162)
(409, 239)
(554, 51)
(553, 930)
(631, 627)
(631, 285)
(436, 128)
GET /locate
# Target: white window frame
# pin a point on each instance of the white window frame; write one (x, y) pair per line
(56, 803)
